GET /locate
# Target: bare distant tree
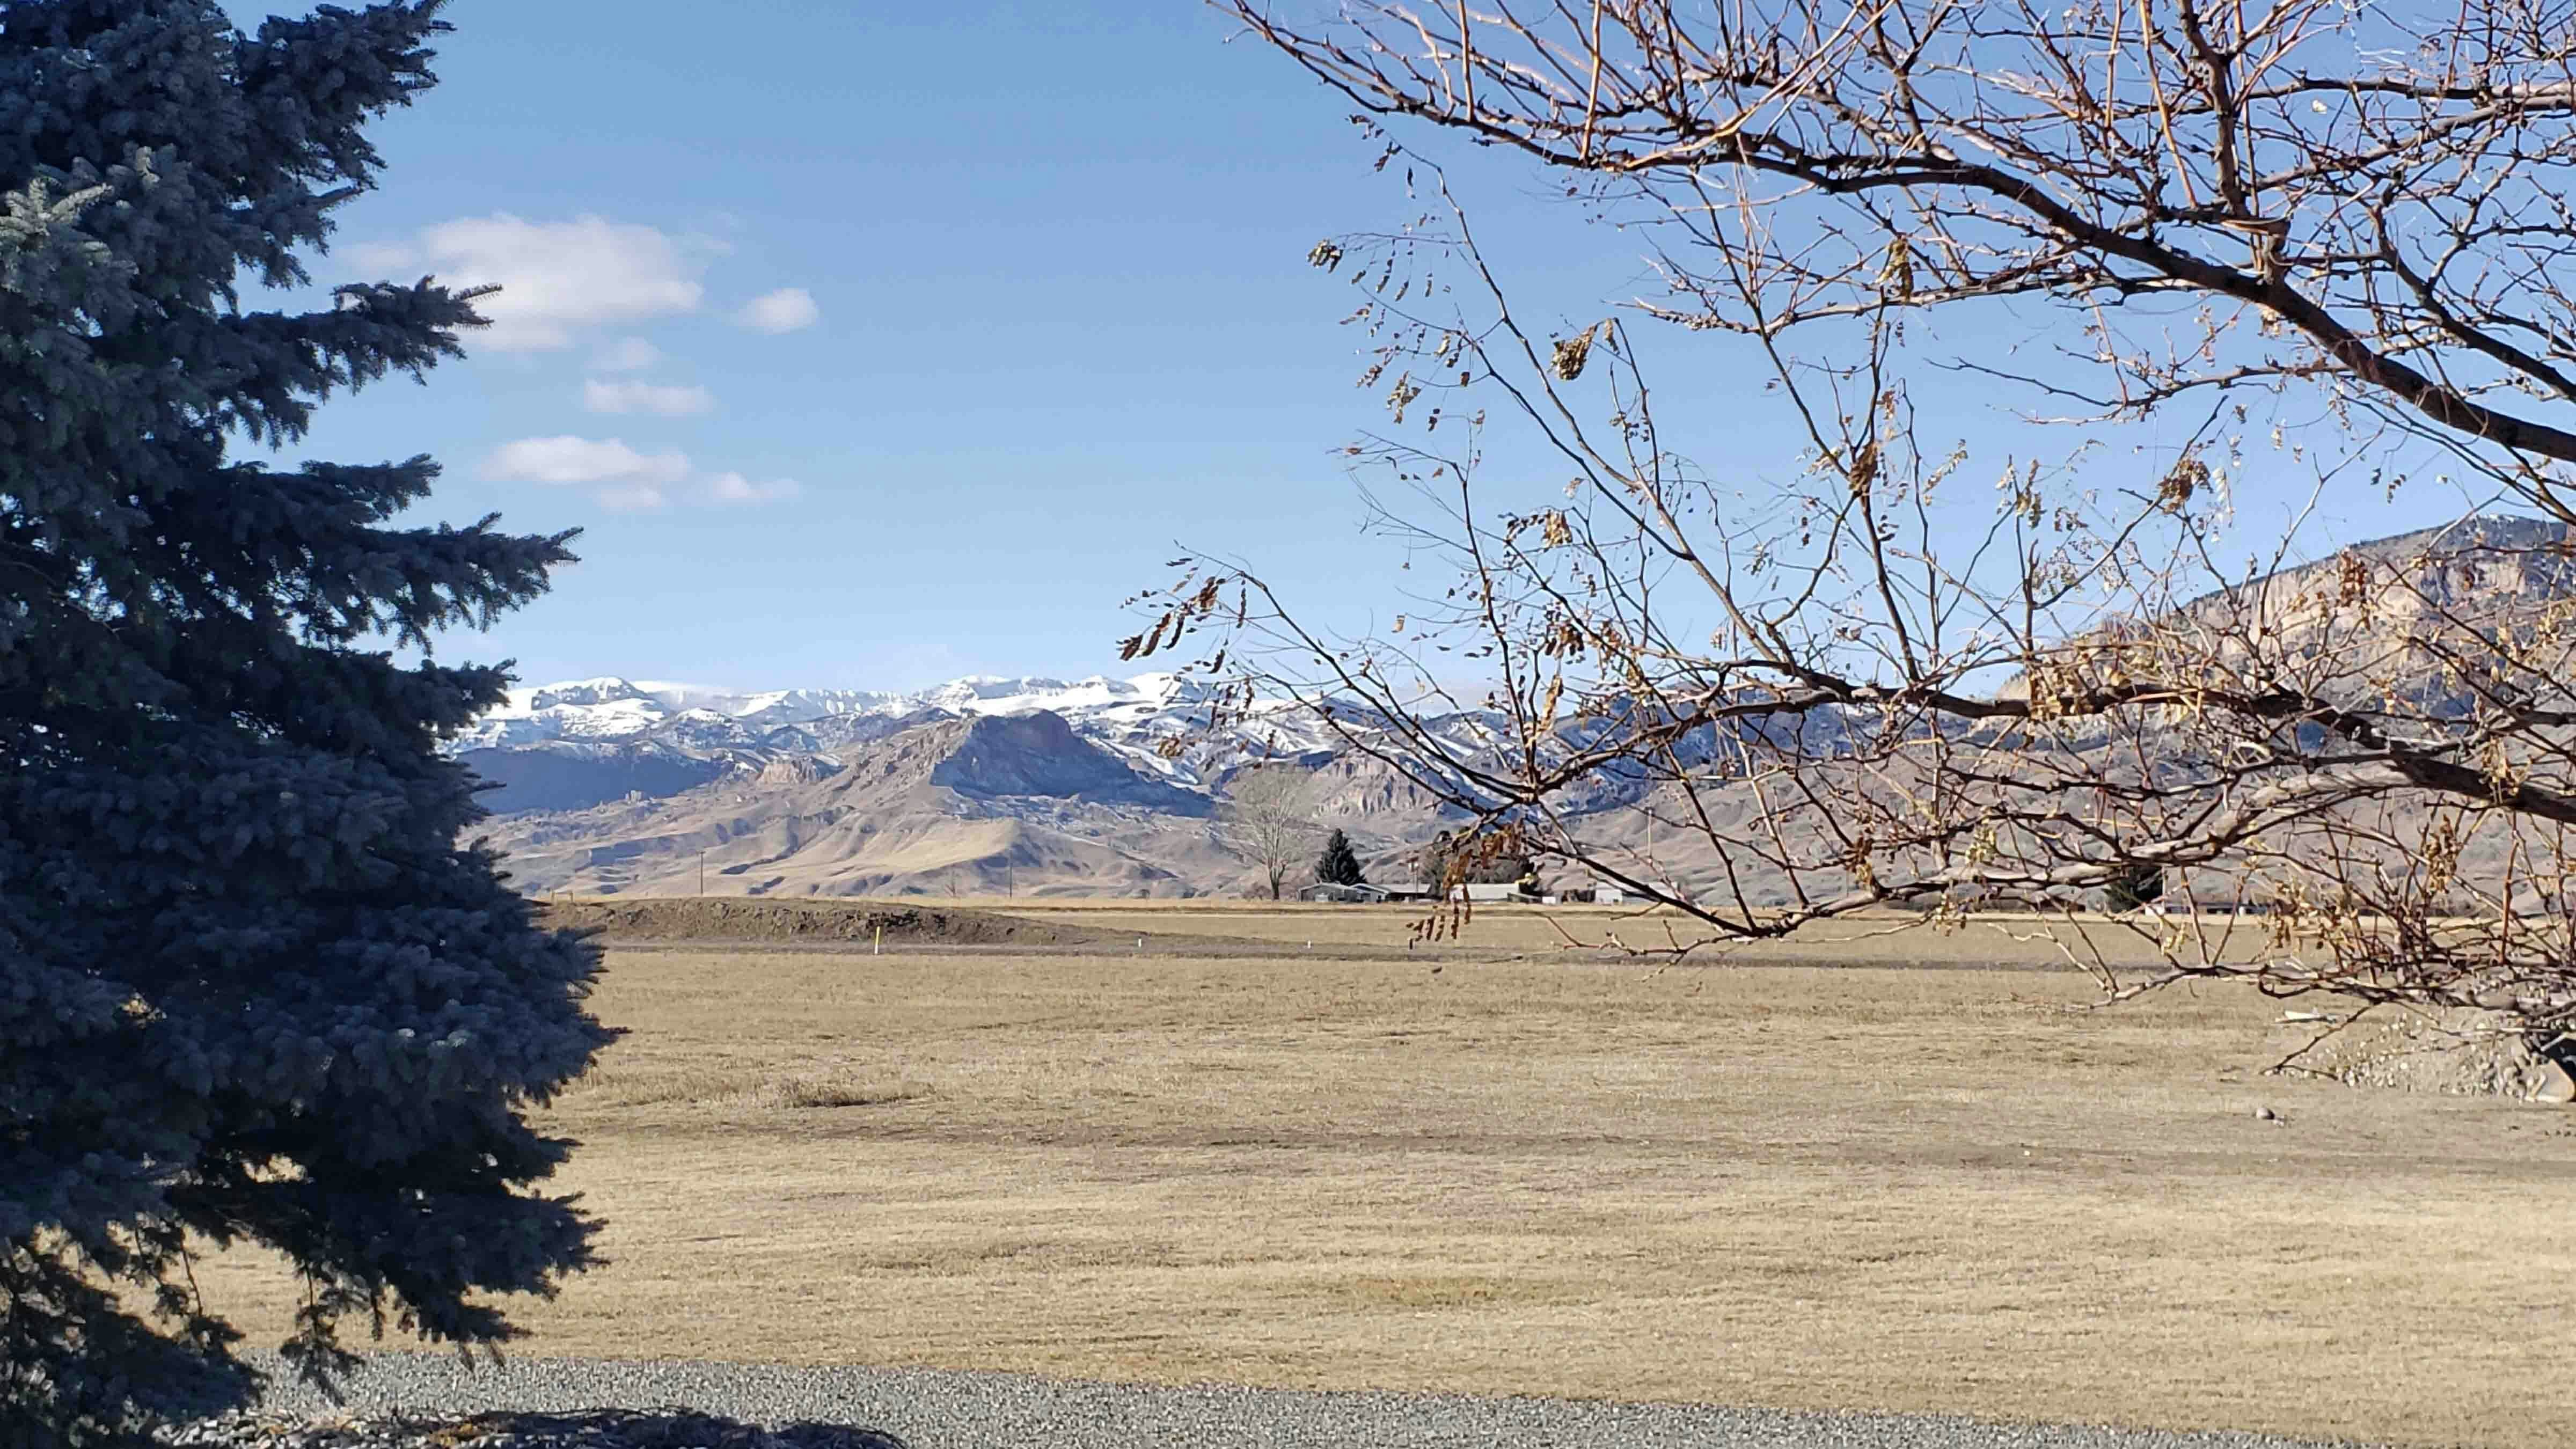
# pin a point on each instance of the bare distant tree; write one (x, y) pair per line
(1269, 818)
(2342, 233)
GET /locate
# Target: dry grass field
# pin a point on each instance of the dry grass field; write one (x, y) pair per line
(1832, 1188)
(1889, 940)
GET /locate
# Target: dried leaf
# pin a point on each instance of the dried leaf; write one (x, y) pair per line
(1571, 355)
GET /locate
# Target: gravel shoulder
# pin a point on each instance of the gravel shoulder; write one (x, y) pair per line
(948, 1409)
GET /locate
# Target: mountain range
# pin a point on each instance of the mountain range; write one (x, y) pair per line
(983, 785)
(587, 742)
(1103, 786)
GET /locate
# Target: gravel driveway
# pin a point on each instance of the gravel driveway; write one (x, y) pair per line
(946, 1409)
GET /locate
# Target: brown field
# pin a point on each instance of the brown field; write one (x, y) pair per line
(1824, 1188)
(1888, 940)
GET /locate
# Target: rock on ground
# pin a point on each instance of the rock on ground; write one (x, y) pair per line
(727, 1405)
(2461, 1052)
(594, 1429)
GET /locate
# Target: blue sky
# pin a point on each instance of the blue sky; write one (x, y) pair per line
(877, 344)
(1059, 317)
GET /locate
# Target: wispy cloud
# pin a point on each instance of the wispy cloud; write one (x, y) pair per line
(569, 459)
(619, 476)
(630, 497)
(733, 488)
(788, 309)
(625, 480)
(669, 401)
(556, 278)
(626, 354)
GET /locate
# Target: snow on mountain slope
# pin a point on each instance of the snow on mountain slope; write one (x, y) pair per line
(952, 804)
(603, 709)
(619, 709)
(1131, 717)
(1091, 786)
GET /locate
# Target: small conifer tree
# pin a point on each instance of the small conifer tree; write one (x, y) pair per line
(252, 989)
(2140, 885)
(1339, 864)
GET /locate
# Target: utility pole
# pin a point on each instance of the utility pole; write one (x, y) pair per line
(702, 872)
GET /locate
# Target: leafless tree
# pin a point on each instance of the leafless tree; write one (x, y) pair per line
(2342, 232)
(1268, 817)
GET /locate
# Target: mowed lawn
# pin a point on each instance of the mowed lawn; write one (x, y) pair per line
(1823, 1188)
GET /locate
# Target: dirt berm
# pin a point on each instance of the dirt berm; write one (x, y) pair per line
(818, 921)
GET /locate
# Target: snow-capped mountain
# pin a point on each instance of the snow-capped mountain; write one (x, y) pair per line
(620, 709)
(1093, 786)
(564, 745)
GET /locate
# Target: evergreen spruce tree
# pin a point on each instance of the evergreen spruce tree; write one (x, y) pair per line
(2140, 885)
(1338, 865)
(251, 987)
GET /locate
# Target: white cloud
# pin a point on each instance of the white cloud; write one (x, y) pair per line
(735, 488)
(626, 354)
(568, 459)
(788, 309)
(630, 497)
(555, 277)
(645, 397)
(623, 479)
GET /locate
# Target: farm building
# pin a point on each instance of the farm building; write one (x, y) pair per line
(1364, 893)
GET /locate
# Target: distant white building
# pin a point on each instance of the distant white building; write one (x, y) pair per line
(1364, 894)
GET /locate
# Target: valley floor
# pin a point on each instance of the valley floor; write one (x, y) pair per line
(1835, 1188)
